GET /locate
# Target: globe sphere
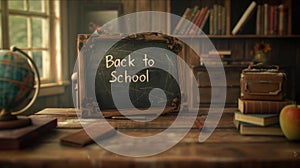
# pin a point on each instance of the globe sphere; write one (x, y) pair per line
(16, 79)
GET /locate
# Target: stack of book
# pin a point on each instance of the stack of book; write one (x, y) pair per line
(256, 117)
(213, 57)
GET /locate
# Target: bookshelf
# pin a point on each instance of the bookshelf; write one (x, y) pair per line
(234, 10)
(284, 43)
(241, 44)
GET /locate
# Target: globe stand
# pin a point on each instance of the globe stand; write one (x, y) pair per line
(9, 121)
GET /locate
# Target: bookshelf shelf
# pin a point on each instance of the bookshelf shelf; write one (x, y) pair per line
(248, 36)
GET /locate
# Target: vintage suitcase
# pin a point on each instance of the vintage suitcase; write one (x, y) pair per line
(263, 83)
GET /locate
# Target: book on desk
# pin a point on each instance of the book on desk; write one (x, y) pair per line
(257, 117)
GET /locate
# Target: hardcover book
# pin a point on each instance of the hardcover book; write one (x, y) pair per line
(186, 22)
(204, 20)
(249, 129)
(191, 25)
(199, 21)
(262, 107)
(257, 119)
(258, 20)
(181, 21)
(244, 18)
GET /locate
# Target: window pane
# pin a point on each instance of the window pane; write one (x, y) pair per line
(37, 32)
(38, 60)
(16, 4)
(18, 31)
(41, 59)
(37, 5)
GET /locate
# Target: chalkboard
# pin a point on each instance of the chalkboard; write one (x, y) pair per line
(144, 53)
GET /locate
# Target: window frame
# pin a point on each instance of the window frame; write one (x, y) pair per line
(52, 14)
(57, 79)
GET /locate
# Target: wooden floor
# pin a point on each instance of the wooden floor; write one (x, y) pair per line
(224, 148)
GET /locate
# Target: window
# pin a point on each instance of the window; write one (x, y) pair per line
(33, 26)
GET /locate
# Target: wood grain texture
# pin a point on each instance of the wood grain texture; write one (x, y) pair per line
(224, 148)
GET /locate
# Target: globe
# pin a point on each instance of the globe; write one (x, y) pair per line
(16, 79)
(19, 87)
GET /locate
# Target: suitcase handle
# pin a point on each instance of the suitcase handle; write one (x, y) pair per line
(276, 92)
(262, 67)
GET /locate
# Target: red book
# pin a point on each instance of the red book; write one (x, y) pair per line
(272, 20)
(262, 106)
(198, 21)
(276, 19)
(204, 20)
(193, 22)
(281, 20)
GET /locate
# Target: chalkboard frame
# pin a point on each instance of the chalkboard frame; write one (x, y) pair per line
(82, 39)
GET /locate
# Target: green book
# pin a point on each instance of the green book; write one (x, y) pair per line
(250, 129)
(257, 119)
(215, 19)
(211, 21)
(223, 21)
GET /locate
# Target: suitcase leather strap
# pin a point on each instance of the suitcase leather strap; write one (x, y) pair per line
(262, 68)
(275, 92)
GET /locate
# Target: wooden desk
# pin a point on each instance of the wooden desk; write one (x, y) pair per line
(225, 148)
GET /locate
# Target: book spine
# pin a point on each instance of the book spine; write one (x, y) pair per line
(266, 17)
(261, 107)
(281, 20)
(215, 19)
(276, 18)
(271, 28)
(188, 20)
(262, 18)
(192, 24)
(227, 5)
(204, 21)
(211, 21)
(258, 20)
(201, 15)
(219, 27)
(223, 21)
(182, 19)
(199, 21)
(244, 17)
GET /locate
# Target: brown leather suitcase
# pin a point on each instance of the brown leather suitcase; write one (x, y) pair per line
(263, 83)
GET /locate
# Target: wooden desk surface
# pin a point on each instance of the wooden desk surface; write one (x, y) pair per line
(224, 148)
